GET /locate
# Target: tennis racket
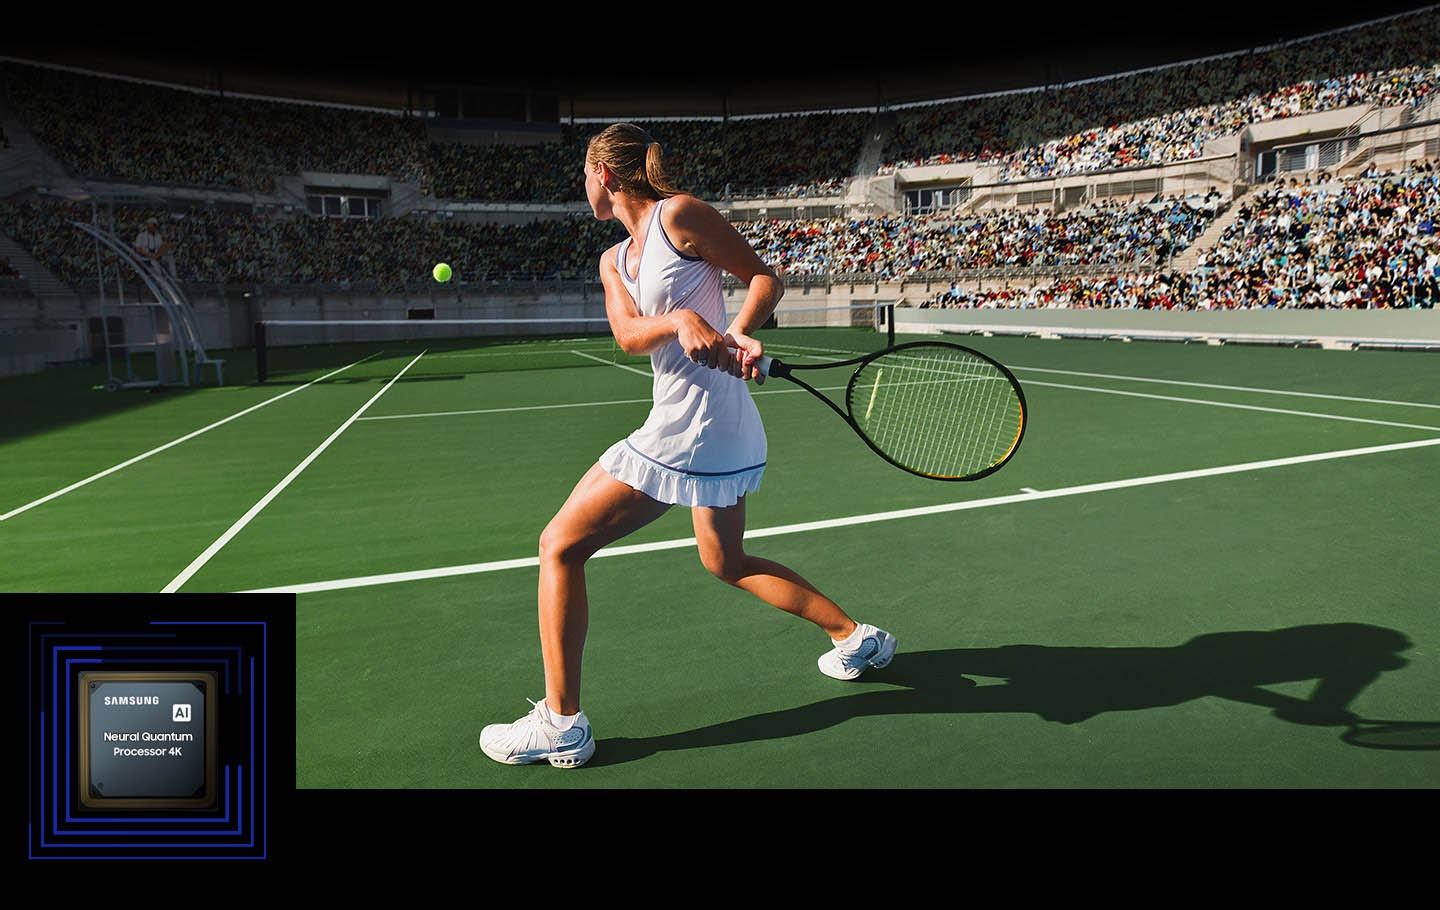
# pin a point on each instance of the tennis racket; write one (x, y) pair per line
(935, 409)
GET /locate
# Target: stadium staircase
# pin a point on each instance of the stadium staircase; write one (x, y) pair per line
(1187, 258)
(41, 281)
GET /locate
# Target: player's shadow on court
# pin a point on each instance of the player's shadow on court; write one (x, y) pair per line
(1072, 684)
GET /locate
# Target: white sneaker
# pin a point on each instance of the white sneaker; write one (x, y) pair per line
(534, 738)
(875, 650)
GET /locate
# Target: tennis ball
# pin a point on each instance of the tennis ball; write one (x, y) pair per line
(441, 272)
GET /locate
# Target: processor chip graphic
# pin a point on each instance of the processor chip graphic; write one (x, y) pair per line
(147, 740)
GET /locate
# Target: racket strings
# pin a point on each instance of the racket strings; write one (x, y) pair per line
(937, 411)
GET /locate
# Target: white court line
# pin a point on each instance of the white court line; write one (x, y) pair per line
(646, 373)
(239, 525)
(1030, 495)
(549, 407)
(527, 407)
(1230, 388)
(1242, 407)
(1055, 385)
(156, 451)
(534, 407)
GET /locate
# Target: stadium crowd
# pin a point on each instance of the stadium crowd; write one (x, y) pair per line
(1105, 233)
(1361, 241)
(219, 246)
(115, 129)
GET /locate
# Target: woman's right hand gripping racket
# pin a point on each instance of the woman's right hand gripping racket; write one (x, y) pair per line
(935, 409)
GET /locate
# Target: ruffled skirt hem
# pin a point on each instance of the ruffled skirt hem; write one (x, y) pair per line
(676, 487)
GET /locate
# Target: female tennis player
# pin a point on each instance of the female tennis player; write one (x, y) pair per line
(702, 445)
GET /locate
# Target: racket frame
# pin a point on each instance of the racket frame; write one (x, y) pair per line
(771, 366)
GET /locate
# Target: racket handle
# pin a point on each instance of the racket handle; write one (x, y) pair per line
(763, 365)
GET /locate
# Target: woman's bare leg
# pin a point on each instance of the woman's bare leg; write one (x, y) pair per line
(599, 511)
(720, 534)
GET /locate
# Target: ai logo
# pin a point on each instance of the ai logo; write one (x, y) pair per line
(180, 712)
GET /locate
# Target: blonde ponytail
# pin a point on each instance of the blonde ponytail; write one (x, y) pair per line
(635, 158)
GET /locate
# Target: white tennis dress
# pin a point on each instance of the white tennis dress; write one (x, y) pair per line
(703, 443)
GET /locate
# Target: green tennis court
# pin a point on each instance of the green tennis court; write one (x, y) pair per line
(1199, 558)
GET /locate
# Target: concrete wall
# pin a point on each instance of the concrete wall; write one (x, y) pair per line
(37, 333)
(1326, 328)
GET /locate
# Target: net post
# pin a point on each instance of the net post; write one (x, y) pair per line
(260, 352)
(887, 313)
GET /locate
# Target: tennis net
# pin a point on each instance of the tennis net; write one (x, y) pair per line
(348, 350)
(828, 332)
